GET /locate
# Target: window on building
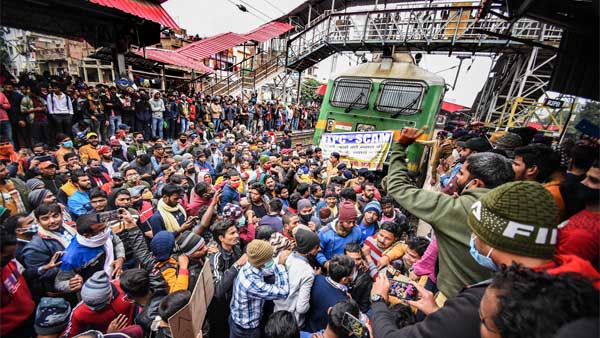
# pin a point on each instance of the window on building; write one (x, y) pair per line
(92, 75)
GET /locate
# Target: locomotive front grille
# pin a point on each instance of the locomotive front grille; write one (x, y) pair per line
(401, 97)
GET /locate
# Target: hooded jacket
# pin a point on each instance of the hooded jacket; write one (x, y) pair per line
(448, 217)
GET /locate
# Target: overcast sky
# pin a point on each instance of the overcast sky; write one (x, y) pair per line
(210, 17)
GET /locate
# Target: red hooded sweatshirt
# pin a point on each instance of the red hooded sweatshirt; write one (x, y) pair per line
(571, 263)
(17, 304)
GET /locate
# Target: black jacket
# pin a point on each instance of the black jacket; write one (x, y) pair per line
(160, 289)
(458, 318)
(360, 290)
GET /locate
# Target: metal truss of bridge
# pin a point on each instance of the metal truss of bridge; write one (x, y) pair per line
(526, 49)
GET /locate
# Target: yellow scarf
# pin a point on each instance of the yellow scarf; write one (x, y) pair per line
(166, 212)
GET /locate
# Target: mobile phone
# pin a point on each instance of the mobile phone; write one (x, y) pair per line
(402, 290)
(587, 127)
(107, 216)
(354, 326)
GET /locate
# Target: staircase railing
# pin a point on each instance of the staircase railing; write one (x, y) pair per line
(251, 71)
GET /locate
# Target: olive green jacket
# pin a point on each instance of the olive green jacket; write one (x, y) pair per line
(448, 217)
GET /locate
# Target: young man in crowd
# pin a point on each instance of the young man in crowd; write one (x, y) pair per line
(337, 234)
(250, 291)
(447, 214)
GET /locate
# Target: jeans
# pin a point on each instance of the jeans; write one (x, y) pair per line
(217, 123)
(114, 124)
(157, 127)
(295, 123)
(236, 331)
(144, 127)
(62, 123)
(6, 130)
(185, 124)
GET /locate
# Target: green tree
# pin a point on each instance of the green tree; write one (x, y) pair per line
(589, 110)
(308, 91)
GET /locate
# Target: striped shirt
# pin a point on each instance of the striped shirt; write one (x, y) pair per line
(250, 292)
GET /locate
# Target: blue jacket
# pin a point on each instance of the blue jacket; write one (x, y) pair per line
(79, 203)
(206, 166)
(158, 224)
(323, 295)
(332, 243)
(229, 195)
(172, 113)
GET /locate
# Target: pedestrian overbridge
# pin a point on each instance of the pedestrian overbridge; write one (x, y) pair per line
(449, 27)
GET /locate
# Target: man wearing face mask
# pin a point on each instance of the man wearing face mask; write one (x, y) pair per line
(24, 227)
(581, 233)
(250, 290)
(448, 214)
(65, 146)
(467, 148)
(143, 114)
(306, 212)
(138, 147)
(132, 178)
(90, 150)
(513, 223)
(143, 166)
(93, 249)
(98, 176)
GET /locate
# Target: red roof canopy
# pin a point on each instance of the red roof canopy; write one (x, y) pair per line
(268, 31)
(212, 45)
(321, 90)
(452, 107)
(146, 9)
(172, 58)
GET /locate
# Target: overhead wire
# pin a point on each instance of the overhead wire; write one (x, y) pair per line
(272, 5)
(243, 8)
(256, 9)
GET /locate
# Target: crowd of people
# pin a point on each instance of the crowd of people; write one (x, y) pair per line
(36, 109)
(105, 229)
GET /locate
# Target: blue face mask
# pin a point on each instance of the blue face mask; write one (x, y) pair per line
(241, 221)
(68, 144)
(482, 260)
(269, 264)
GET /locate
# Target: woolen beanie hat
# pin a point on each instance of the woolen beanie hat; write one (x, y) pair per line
(37, 196)
(306, 241)
(162, 245)
(508, 141)
(259, 252)
(188, 242)
(51, 316)
(34, 183)
(347, 211)
(324, 213)
(263, 159)
(304, 203)
(517, 217)
(232, 211)
(185, 163)
(97, 291)
(373, 206)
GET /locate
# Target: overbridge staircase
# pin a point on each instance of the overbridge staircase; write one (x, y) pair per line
(251, 73)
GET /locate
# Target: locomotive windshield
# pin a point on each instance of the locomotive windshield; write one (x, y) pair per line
(400, 97)
(351, 93)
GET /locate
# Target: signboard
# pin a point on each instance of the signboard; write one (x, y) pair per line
(187, 322)
(359, 150)
(554, 103)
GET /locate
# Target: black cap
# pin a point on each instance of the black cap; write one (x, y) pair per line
(477, 144)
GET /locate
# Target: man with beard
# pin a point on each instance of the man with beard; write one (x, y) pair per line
(170, 214)
(111, 165)
(301, 275)
(448, 214)
(470, 147)
(158, 153)
(79, 202)
(258, 200)
(581, 233)
(90, 150)
(367, 196)
(117, 150)
(143, 166)
(382, 248)
(12, 191)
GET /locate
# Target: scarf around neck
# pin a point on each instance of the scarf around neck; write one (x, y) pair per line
(102, 239)
(166, 212)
